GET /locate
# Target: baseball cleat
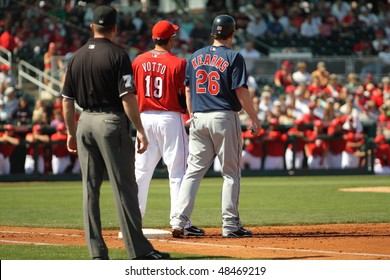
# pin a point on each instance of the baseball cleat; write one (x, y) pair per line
(193, 231)
(241, 232)
(178, 233)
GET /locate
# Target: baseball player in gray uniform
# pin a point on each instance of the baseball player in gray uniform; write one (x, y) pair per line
(216, 91)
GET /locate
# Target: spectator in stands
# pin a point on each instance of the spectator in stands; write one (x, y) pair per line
(275, 29)
(257, 28)
(310, 117)
(296, 136)
(265, 106)
(60, 154)
(47, 60)
(380, 41)
(22, 115)
(309, 28)
(199, 36)
(251, 56)
(39, 108)
(381, 65)
(370, 113)
(340, 9)
(321, 73)
(368, 17)
(333, 88)
(8, 141)
(315, 147)
(383, 126)
(57, 119)
(352, 82)
(7, 79)
(274, 147)
(10, 102)
(301, 104)
(330, 110)
(7, 40)
(363, 47)
(36, 142)
(283, 76)
(301, 76)
(382, 156)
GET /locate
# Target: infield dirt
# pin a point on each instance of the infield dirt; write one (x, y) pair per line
(314, 242)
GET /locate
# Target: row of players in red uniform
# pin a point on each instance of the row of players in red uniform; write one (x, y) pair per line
(342, 147)
(344, 150)
(36, 143)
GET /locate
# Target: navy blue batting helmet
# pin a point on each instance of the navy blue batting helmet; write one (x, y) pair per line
(223, 25)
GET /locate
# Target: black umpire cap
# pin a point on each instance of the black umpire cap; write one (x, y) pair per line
(104, 16)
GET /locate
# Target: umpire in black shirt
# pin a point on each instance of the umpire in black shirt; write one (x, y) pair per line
(100, 79)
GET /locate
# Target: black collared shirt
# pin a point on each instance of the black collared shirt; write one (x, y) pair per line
(98, 75)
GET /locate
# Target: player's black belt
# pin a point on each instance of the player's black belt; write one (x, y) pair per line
(103, 109)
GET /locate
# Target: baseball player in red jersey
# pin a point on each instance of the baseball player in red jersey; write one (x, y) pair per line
(275, 147)
(159, 80)
(35, 140)
(382, 156)
(315, 148)
(252, 154)
(296, 131)
(60, 154)
(354, 138)
(8, 142)
(335, 145)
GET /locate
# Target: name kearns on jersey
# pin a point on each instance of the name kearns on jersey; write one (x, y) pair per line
(215, 61)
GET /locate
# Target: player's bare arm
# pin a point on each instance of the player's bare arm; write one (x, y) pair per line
(130, 106)
(246, 103)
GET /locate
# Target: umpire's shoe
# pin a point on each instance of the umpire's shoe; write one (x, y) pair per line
(154, 255)
(241, 232)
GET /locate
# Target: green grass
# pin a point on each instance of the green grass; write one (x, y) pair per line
(263, 201)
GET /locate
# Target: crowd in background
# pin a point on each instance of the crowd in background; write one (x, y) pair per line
(307, 102)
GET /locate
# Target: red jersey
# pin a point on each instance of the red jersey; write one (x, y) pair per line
(255, 145)
(31, 147)
(159, 79)
(382, 152)
(275, 144)
(283, 76)
(337, 145)
(7, 148)
(316, 147)
(353, 138)
(299, 143)
(59, 149)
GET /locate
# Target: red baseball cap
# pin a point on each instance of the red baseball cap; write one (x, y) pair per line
(163, 30)
(9, 127)
(36, 127)
(380, 139)
(61, 126)
(318, 123)
(5, 67)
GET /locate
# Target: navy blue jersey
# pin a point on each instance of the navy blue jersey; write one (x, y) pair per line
(213, 74)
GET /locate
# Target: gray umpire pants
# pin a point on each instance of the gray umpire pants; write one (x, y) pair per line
(212, 134)
(104, 143)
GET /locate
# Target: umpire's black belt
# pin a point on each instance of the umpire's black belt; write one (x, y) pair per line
(103, 109)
